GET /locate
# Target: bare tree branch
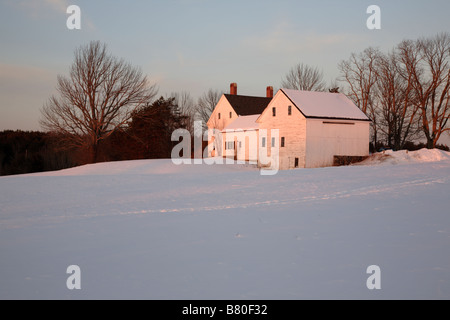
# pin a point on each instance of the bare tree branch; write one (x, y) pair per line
(96, 99)
(428, 65)
(206, 104)
(304, 77)
(186, 107)
(359, 74)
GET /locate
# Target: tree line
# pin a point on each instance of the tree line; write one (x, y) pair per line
(405, 91)
(147, 135)
(107, 110)
(31, 151)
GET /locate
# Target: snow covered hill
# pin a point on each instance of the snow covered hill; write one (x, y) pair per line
(152, 230)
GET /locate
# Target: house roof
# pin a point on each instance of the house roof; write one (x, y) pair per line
(243, 123)
(246, 105)
(325, 105)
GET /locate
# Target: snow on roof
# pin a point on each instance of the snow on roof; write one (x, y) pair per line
(324, 105)
(243, 123)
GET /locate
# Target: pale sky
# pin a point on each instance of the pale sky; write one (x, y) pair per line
(195, 45)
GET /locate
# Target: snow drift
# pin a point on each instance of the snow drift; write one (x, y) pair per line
(389, 157)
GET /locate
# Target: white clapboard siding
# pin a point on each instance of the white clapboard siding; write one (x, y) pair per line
(329, 138)
(224, 108)
(291, 127)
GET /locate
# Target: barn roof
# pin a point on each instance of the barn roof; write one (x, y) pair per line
(243, 123)
(246, 105)
(325, 105)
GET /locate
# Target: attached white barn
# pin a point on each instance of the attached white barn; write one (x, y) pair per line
(296, 129)
(314, 127)
(241, 138)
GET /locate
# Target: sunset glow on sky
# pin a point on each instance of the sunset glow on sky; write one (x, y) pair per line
(195, 45)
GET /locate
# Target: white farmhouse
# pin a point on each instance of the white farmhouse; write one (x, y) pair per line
(230, 108)
(296, 129)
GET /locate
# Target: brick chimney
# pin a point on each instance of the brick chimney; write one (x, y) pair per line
(233, 89)
(269, 92)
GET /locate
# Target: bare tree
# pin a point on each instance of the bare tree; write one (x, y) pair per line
(186, 106)
(428, 63)
(404, 92)
(398, 120)
(304, 77)
(96, 99)
(359, 74)
(206, 104)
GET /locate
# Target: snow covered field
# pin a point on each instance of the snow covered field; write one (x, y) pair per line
(152, 230)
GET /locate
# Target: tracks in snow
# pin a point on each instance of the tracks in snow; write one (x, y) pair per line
(357, 192)
(279, 198)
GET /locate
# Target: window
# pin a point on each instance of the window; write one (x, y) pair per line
(263, 142)
(282, 142)
(296, 162)
(240, 144)
(231, 114)
(229, 145)
(273, 142)
(289, 110)
(274, 111)
(219, 115)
